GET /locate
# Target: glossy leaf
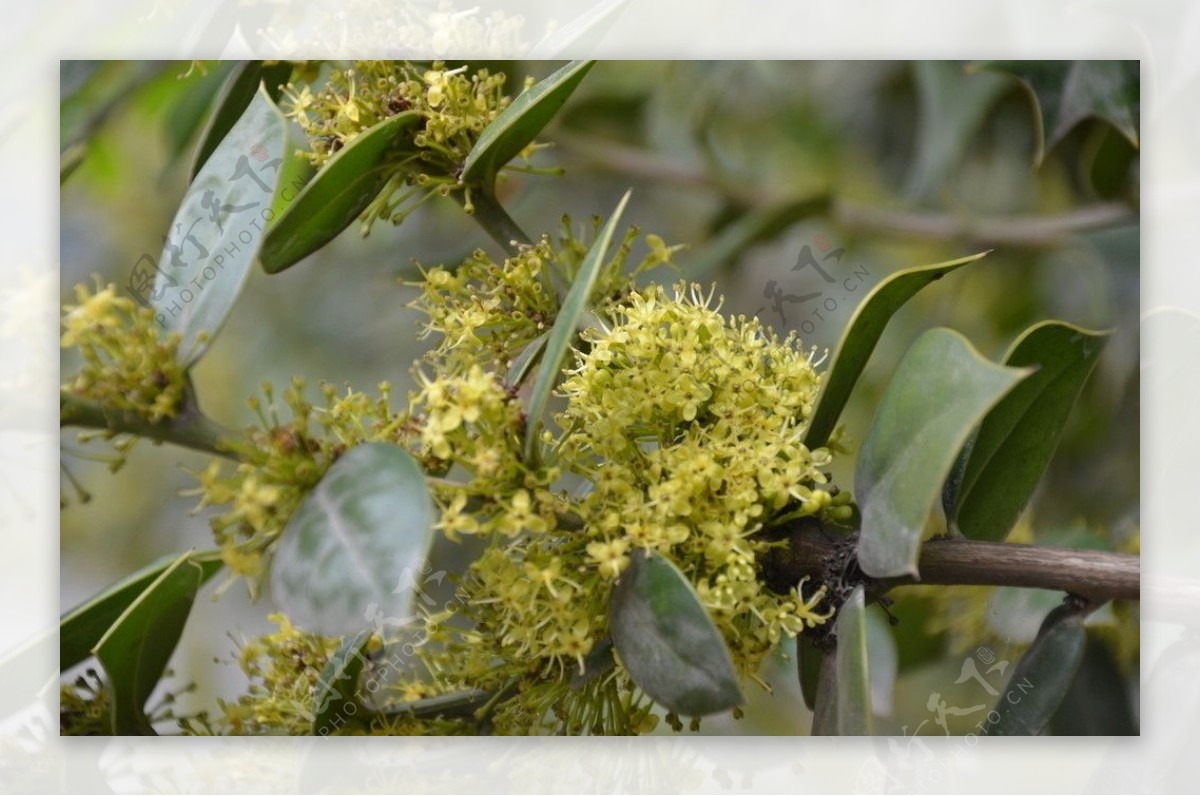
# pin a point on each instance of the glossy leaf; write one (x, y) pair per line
(234, 95)
(521, 122)
(337, 699)
(84, 625)
(941, 390)
(952, 105)
(1065, 93)
(1041, 678)
(337, 195)
(1018, 437)
(217, 231)
(136, 649)
(859, 339)
(581, 33)
(352, 551)
(667, 641)
(754, 227)
(563, 331)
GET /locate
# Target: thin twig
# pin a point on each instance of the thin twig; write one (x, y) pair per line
(1019, 230)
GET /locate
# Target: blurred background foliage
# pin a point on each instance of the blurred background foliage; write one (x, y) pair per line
(747, 163)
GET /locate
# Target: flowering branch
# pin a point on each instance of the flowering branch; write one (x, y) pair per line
(188, 428)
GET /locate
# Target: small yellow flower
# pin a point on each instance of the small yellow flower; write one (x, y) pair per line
(611, 556)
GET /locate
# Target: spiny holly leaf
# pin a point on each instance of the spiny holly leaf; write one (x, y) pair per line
(352, 550)
(941, 390)
(667, 641)
(1066, 93)
(1014, 445)
(862, 333)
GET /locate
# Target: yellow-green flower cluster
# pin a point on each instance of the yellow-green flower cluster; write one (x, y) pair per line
(486, 312)
(454, 108)
(281, 460)
(690, 425)
(127, 364)
(284, 670)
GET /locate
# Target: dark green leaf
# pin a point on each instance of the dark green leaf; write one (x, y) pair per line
(352, 552)
(84, 625)
(218, 228)
(1042, 677)
(1066, 93)
(1018, 437)
(234, 96)
(337, 699)
(756, 226)
(521, 122)
(581, 33)
(563, 331)
(337, 195)
(136, 649)
(187, 111)
(667, 641)
(941, 389)
(862, 333)
(525, 360)
(1098, 701)
(952, 105)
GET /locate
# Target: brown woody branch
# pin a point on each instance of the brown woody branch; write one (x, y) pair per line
(1095, 575)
